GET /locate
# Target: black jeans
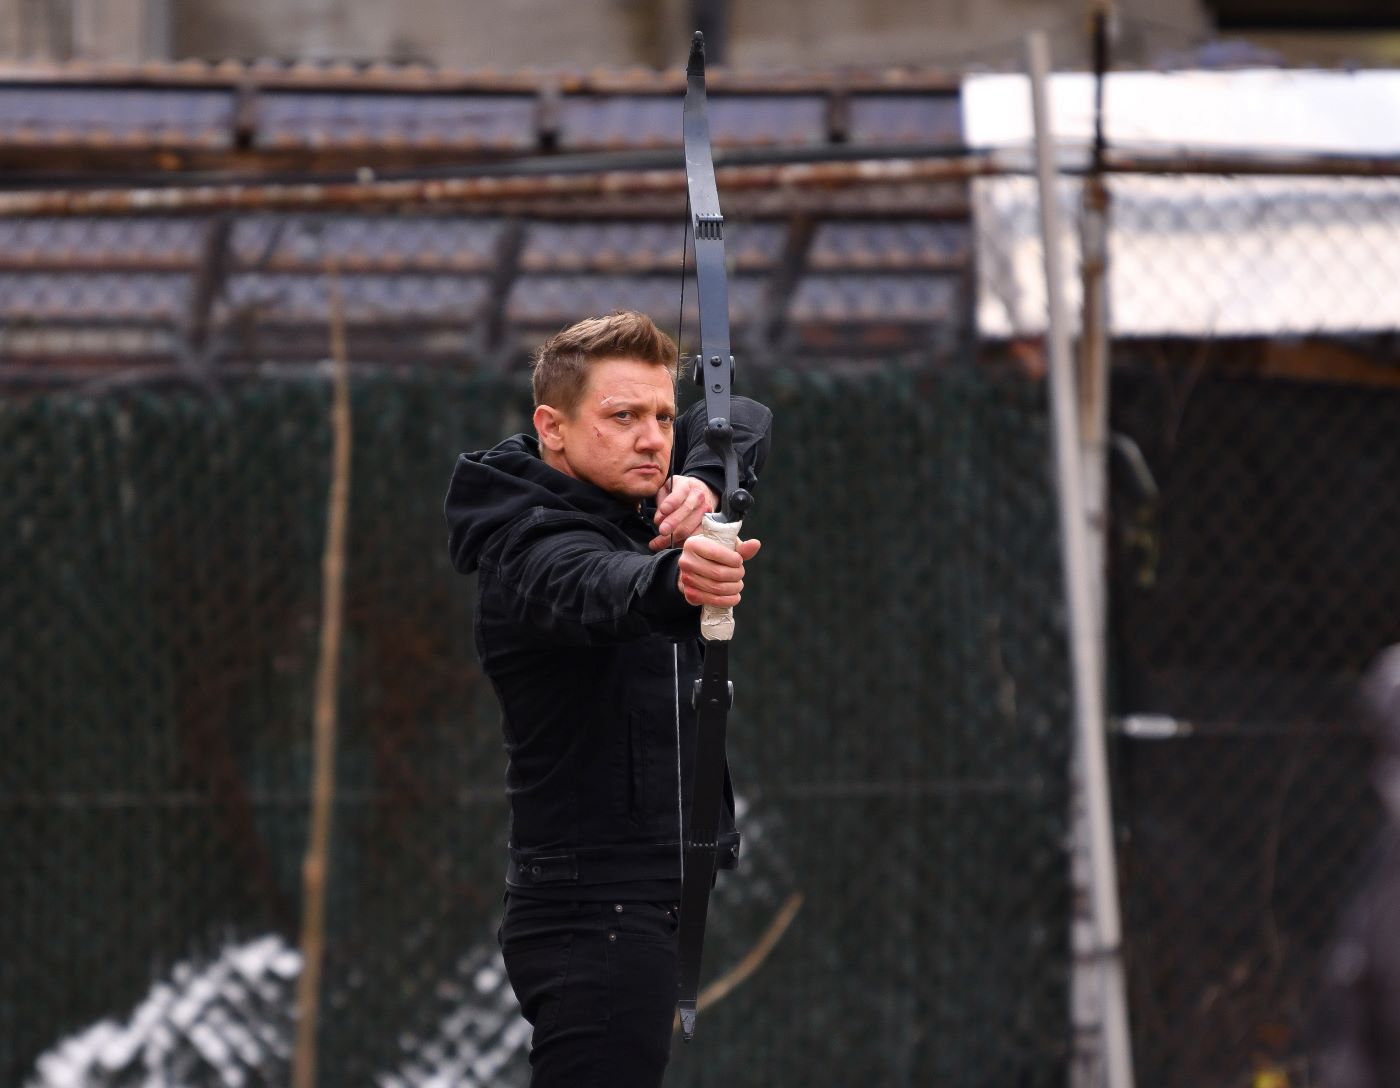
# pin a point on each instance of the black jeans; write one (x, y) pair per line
(597, 981)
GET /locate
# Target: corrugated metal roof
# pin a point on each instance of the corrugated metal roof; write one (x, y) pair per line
(286, 119)
(841, 299)
(840, 271)
(279, 109)
(644, 246)
(890, 246)
(367, 243)
(885, 119)
(100, 243)
(404, 298)
(551, 301)
(116, 117)
(387, 76)
(93, 297)
(616, 121)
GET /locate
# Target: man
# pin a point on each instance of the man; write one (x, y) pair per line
(1359, 1005)
(592, 574)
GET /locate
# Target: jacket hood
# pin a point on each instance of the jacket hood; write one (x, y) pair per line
(490, 489)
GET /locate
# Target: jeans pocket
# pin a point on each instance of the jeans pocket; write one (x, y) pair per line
(655, 922)
(538, 968)
(643, 968)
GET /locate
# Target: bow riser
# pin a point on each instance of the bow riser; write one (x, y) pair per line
(713, 370)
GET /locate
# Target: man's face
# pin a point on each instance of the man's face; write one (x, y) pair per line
(619, 438)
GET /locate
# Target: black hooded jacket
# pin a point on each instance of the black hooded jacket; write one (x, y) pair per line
(592, 651)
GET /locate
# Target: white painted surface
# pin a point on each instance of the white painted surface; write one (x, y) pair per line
(1205, 256)
(1263, 110)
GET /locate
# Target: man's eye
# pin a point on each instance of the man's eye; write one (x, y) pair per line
(624, 416)
(665, 419)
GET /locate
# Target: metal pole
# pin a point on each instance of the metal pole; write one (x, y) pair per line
(1093, 344)
(1086, 992)
(1085, 658)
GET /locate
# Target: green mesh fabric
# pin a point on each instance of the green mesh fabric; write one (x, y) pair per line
(899, 736)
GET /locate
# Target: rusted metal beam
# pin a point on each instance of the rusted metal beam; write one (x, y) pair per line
(419, 79)
(526, 193)
(490, 192)
(1182, 160)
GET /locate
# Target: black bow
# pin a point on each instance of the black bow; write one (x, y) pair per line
(713, 369)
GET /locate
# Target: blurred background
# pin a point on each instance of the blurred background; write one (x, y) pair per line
(209, 209)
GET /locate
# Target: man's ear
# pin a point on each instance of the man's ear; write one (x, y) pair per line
(547, 425)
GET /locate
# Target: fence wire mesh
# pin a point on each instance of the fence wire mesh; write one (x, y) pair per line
(1253, 416)
(1249, 595)
(904, 773)
(1197, 257)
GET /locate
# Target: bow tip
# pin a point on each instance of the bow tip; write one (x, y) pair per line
(687, 1024)
(697, 47)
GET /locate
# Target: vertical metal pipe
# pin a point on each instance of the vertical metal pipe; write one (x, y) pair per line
(1085, 657)
(1086, 996)
(1093, 343)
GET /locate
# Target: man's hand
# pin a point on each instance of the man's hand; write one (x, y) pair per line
(713, 574)
(680, 504)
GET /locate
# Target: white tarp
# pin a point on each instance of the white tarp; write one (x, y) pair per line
(1193, 255)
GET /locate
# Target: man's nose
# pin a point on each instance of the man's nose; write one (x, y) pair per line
(651, 436)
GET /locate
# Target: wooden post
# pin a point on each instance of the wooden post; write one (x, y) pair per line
(316, 866)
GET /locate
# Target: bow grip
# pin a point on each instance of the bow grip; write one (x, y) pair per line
(717, 624)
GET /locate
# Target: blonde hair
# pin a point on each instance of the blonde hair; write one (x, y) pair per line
(560, 370)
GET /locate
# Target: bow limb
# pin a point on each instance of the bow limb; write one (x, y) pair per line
(713, 369)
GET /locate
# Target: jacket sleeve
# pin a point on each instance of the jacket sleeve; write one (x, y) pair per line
(571, 585)
(752, 426)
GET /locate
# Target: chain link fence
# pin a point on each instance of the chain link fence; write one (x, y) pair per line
(1246, 615)
(903, 772)
(1254, 405)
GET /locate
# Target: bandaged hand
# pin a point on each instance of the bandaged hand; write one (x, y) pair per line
(711, 573)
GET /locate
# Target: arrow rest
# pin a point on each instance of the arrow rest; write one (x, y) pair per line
(697, 370)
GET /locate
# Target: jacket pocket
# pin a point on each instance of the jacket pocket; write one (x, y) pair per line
(637, 733)
(630, 770)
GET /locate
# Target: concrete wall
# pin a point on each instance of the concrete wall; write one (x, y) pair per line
(511, 34)
(957, 34)
(482, 33)
(122, 31)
